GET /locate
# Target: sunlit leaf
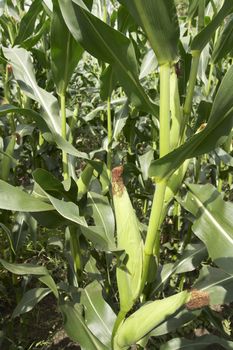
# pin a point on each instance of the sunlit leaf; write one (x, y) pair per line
(213, 222)
(98, 314)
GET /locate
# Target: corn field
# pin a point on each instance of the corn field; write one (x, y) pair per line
(116, 164)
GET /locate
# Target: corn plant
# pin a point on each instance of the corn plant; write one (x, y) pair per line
(164, 81)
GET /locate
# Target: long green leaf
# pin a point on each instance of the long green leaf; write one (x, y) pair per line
(108, 45)
(77, 329)
(98, 314)
(191, 258)
(202, 38)
(24, 269)
(102, 214)
(65, 51)
(12, 198)
(224, 44)
(7, 108)
(159, 20)
(24, 73)
(28, 269)
(28, 21)
(217, 283)
(213, 223)
(218, 128)
(70, 211)
(30, 299)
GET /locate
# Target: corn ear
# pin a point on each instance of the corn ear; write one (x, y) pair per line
(147, 318)
(129, 240)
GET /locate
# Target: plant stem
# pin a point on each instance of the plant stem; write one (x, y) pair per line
(109, 123)
(105, 12)
(153, 229)
(63, 134)
(76, 251)
(152, 238)
(192, 83)
(201, 15)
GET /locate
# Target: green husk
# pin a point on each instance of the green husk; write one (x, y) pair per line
(147, 318)
(129, 240)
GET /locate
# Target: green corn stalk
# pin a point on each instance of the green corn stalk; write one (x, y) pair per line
(129, 240)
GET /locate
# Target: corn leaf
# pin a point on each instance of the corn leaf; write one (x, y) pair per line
(29, 300)
(202, 38)
(12, 198)
(102, 214)
(27, 23)
(24, 73)
(65, 51)
(24, 269)
(76, 328)
(217, 283)
(213, 223)
(108, 45)
(99, 316)
(159, 20)
(224, 44)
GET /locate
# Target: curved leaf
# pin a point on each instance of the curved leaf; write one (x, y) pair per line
(159, 21)
(99, 316)
(202, 38)
(108, 45)
(28, 21)
(12, 198)
(24, 269)
(65, 51)
(213, 223)
(29, 300)
(5, 109)
(224, 44)
(102, 214)
(24, 73)
(217, 283)
(190, 259)
(77, 329)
